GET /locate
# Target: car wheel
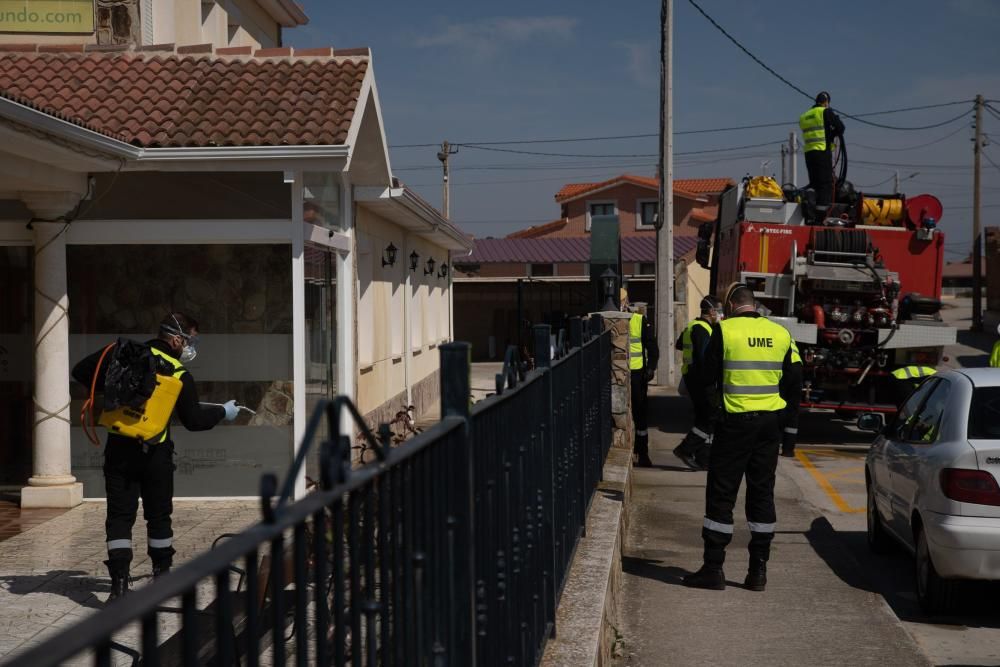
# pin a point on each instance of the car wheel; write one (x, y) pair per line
(934, 593)
(878, 539)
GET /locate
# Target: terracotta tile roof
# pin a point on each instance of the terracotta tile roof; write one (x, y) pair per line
(703, 186)
(574, 190)
(566, 249)
(700, 216)
(540, 230)
(155, 98)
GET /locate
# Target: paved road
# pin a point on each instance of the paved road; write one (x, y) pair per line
(829, 601)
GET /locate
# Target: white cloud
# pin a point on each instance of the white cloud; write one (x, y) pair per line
(642, 63)
(484, 37)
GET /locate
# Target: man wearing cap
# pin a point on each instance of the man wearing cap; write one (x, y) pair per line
(643, 355)
(693, 342)
(820, 126)
(758, 370)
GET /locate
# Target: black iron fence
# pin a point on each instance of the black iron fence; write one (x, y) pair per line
(450, 549)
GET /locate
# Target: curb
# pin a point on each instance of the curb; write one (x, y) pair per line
(586, 623)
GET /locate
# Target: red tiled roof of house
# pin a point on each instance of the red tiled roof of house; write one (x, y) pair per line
(155, 98)
(703, 186)
(574, 190)
(540, 230)
(962, 269)
(566, 249)
(700, 216)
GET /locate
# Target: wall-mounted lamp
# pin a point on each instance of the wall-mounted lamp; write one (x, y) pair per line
(429, 267)
(389, 255)
(443, 271)
(414, 258)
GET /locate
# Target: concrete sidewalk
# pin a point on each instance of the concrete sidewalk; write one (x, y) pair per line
(816, 609)
(53, 575)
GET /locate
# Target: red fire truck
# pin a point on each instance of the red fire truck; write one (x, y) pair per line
(858, 285)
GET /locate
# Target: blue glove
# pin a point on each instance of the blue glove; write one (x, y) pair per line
(231, 410)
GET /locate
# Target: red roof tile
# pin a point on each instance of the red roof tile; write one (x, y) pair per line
(574, 190)
(566, 249)
(540, 230)
(703, 186)
(155, 100)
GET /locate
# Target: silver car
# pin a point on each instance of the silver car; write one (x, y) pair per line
(932, 481)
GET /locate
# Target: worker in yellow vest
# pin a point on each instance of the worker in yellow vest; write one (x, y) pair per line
(692, 343)
(757, 367)
(820, 126)
(995, 355)
(643, 355)
(908, 378)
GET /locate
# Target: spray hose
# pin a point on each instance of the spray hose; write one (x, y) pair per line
(238, 407)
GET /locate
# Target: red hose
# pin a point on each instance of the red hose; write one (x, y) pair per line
(819, 316)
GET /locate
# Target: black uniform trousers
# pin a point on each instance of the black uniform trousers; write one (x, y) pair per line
(639, 418)
(131, 470)
(745, 445)
(819, 165)
(701, 431)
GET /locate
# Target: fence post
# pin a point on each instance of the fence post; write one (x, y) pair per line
(456, 385)
(543, 342)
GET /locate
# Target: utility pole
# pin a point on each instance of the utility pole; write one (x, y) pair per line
(793, 166)
(977, 250)
(443, 155)
(895, 183)
(784, 164)
(666, 371)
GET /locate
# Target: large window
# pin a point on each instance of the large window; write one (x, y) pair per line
(645, 213)
(16, 359)
(595, 208)
(241, 296)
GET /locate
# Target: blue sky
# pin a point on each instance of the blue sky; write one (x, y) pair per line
(471, 71)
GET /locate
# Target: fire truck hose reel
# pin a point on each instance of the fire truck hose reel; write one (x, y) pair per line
(882, 211)
(845, 336)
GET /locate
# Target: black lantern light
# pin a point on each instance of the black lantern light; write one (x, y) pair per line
(443, 271)
(389, 255)
(610, 281)
(414, 259)
(429, 268)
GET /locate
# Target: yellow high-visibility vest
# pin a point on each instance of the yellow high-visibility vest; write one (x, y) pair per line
(753, 352)
(813, 130)
(995, 355)
(178, 371)
(686, 344)
(635, 356)
(913, 372)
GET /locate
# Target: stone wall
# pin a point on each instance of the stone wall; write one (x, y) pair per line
(623, 430)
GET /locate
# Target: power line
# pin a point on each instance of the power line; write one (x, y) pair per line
(993, 112)
(796, 88)
(989, 159)
(910, 148)
(875, 185)
(545, 154)
(652, 135)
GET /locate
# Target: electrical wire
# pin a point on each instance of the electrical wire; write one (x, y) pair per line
(989, 159)
(875, 185)
(993, 112)
(640, 155)
(802, 92)
(910, 148)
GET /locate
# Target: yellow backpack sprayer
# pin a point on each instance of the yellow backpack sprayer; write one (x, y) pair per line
(139, 404)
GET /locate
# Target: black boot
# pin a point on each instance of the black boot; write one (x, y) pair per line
(757, 575)
(709, 577)
(160, 570)
(788, 452)
(120, 582)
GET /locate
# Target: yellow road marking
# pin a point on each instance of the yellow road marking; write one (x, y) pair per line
(824, 484)
(844, 472)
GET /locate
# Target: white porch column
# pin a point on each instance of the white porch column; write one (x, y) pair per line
(52, 484)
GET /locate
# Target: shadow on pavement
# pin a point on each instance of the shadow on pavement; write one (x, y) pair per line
(75, 585)
(670, 414)
(892, 576)
(651, 568)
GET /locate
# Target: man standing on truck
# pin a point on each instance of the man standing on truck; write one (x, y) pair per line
(693, 342)
(757, 367)
(820, 126)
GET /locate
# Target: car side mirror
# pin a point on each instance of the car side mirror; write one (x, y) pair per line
(871, 421)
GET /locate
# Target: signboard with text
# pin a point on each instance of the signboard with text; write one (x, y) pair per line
(47, 16)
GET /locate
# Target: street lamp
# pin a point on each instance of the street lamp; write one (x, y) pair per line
(443, 271)
(429, 268)
(414, 259)
(610, 281)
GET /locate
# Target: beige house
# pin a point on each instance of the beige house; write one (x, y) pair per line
(261, 201)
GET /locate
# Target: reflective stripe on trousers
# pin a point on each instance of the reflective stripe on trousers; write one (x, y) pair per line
(726, 528)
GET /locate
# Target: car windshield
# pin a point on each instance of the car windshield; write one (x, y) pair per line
(984, 414)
